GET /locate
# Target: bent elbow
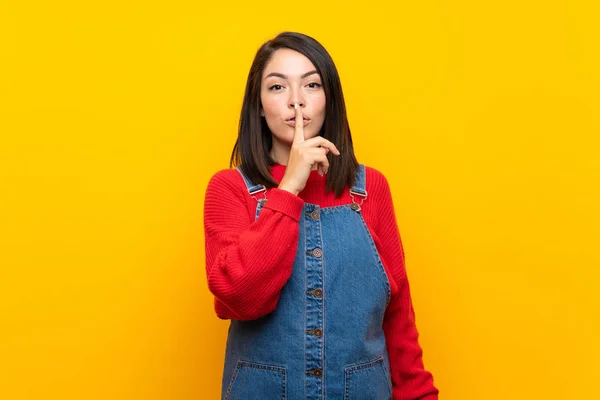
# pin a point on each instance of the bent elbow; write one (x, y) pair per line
(240, 307)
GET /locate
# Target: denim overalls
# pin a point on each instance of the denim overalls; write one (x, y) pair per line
(325, 340)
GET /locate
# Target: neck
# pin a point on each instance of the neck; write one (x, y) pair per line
(280, 152)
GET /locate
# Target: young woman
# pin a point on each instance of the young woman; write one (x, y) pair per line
(303, 253)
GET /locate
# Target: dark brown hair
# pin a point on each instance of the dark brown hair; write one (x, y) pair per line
(252, 148)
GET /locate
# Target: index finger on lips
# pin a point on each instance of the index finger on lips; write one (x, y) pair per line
(299, 125)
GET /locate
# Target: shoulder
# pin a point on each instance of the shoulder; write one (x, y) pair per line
(230, 176)
(226, 181)
(376, 181)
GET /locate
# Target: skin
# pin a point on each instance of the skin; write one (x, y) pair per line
(295, 90)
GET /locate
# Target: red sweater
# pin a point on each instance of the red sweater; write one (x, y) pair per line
(248, 262)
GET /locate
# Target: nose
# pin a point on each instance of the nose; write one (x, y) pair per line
(296, 97)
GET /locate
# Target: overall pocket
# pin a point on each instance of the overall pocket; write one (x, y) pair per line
(253, 381)
(367, 381)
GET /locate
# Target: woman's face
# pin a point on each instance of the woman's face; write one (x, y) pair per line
(289, 77)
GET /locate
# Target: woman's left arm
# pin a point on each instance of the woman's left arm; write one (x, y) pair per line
(410, 380)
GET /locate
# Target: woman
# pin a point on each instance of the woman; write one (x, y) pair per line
(303, 252)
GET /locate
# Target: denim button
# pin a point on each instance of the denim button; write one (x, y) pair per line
(317, 332)
(315, 215)
(355, 207)
(317, 372)
(317, 252)
(318, 292)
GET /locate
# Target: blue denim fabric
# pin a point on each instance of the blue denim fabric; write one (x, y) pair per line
(281, 355)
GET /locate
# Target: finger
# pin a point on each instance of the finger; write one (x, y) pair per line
(324, 167)
(314, 152)
(323, 164)
(319, 168)
(317, 157)
(299, 125)
(321, 141)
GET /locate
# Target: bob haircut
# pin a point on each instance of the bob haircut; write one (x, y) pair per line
(252, 148)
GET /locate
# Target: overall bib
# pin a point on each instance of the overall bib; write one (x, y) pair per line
(325, 339)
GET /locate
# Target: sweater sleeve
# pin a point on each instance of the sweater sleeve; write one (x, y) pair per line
(410, 380)
(247, 261)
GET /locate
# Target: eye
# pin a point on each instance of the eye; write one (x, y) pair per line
(315, 85)
(275, 87)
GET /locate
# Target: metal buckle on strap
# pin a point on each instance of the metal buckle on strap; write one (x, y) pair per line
(356, 206)
(259, 190)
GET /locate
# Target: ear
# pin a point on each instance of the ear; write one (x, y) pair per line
(262, 112)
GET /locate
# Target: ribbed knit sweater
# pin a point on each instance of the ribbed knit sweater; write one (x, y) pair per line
(248, 262)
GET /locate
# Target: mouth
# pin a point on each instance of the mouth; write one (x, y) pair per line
(292, 121)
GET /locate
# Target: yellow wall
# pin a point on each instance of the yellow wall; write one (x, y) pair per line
(113, 116)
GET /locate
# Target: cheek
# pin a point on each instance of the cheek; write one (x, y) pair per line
(321, 107)
(270, 106)
(319, 102)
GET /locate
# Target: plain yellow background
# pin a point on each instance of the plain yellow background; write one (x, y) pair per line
(484, 116)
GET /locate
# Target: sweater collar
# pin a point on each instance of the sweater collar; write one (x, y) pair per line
(278, 170)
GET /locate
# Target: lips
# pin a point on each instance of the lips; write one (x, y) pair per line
(292, 122)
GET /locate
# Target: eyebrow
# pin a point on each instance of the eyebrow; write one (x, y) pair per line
(277, 74)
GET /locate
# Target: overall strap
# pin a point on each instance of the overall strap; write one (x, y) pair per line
(359, 188)
(253, 190)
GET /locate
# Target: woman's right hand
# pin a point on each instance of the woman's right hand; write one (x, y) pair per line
(304, 156)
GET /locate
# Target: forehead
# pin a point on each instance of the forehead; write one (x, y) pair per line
(288, 62)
